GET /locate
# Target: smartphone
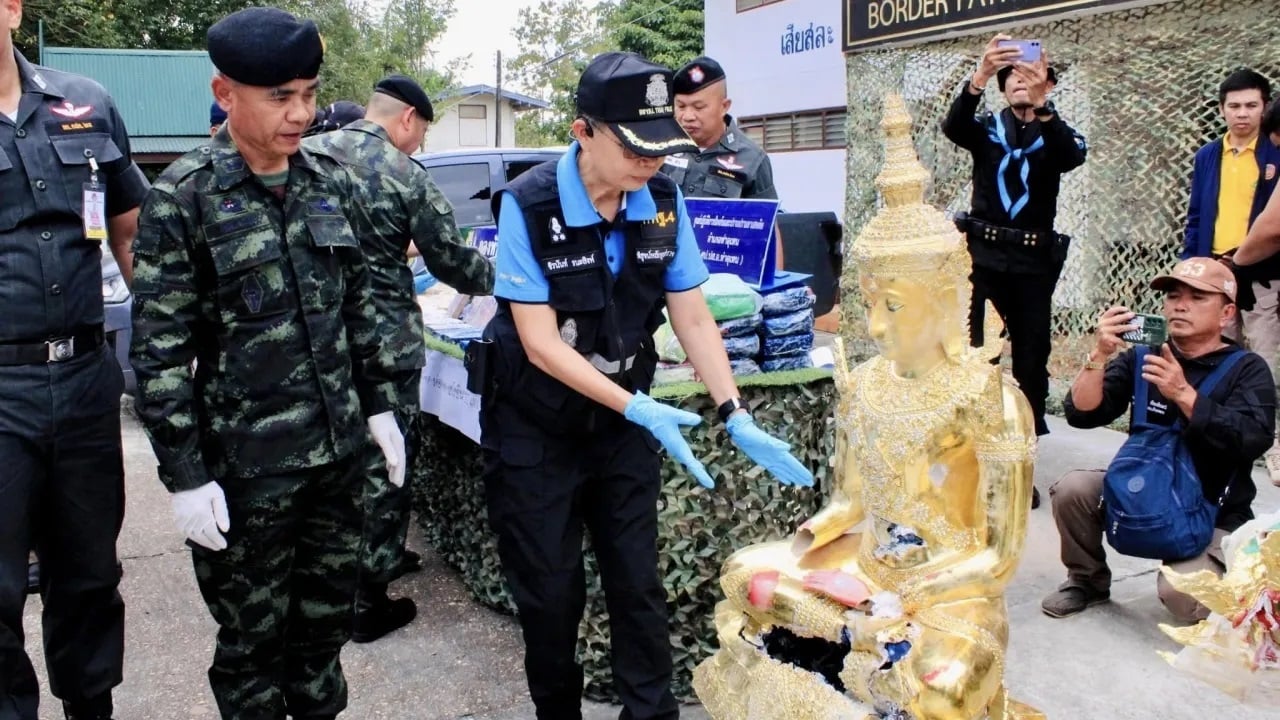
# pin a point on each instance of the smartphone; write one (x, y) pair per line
(1152, 330)
(1030, 49)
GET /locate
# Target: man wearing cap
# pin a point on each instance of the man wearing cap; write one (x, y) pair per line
(69, 191)
(592, 247)
(246, 267)
(725, 163)
(1226, 430)
(335, 116)
(396, 203)
(1019, 157)
(217, 116)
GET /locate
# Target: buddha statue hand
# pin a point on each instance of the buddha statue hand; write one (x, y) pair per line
(767, 451)
(840, 586)
(664, 422)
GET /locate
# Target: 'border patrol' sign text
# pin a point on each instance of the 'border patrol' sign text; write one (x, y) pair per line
(878, 23)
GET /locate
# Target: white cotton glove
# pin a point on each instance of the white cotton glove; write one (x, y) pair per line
(386, 433)
(201, 513)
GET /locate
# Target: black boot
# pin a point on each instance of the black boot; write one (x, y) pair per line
(377, 614)
(99, 708)
(410, 562)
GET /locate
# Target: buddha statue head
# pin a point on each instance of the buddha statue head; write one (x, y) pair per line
(913, 268)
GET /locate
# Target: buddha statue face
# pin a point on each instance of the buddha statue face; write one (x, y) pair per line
(912, 322)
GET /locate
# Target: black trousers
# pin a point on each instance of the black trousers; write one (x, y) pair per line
(542, 491)
(1025, 303)
(62, 493)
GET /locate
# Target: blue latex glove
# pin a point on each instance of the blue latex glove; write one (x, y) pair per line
(768, 452)
(664, 422)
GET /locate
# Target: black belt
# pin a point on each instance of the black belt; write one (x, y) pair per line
(979, 230)
(53, 350)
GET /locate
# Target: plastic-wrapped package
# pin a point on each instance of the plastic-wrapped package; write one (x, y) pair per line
(800, 321)
(790, 362)
(668, 345)
(736, 327)
(787, 301)
(668, 373)
(788, 345)
(742, 347)
(729, 297)
(744, 367)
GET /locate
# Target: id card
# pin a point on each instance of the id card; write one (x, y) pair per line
(95, 212)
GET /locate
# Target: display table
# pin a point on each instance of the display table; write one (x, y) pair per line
(698, 528)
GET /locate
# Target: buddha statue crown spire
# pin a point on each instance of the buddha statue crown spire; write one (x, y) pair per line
(907, 236)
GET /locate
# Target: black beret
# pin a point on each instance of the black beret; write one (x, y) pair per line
(265, 47)
(335, 117)
(699, 73)
(1002, 76)
(408, 91)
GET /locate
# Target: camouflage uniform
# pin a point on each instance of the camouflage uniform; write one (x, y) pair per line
(271, 300)
(395, 201)
(735, 167)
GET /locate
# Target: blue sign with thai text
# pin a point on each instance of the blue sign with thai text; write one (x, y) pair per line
(736, 236)
(485, 239)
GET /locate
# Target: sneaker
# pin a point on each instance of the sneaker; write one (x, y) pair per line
(1072, 600)
(1272, 459)
(383, 617)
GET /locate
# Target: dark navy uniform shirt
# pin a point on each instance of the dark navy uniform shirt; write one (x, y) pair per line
(50, 274)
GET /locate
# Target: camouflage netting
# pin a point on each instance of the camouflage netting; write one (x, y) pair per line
(1141, 85)
(697, 529)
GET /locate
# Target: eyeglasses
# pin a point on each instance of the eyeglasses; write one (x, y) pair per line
(626, 152)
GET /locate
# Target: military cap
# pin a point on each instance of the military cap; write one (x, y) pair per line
(217, 115)
(265, 47)
(632, 96)
(335, 117)
(408, 91)
(697, 74)
(1002, 76)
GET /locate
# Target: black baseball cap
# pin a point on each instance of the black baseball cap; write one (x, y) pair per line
(632, 96)
(408, 91)
(1002, 75)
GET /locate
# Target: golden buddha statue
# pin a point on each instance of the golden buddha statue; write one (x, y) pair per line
(1237, 648)
(889, 603)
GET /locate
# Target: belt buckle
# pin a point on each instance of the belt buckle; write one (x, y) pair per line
(61, 349)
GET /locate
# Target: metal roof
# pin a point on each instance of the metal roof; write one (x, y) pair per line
(159, 93)
(168, 145)
(521, 102)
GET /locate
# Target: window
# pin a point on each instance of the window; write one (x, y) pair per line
(473, 128)
(516, 168)
(744, 5)
(808, 130)
(467, 189)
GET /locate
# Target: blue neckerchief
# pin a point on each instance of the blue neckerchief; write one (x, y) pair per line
(996, 134)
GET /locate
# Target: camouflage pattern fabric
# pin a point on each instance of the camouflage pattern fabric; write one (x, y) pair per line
(283, 592)
(272, 301)
(394, 201)
(386, 507)
(733, 168)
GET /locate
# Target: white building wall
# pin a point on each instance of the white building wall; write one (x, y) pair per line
(446, 131)
(764, 80)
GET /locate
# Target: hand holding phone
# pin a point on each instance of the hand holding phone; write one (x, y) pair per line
(1150, 330)
(1029, 50)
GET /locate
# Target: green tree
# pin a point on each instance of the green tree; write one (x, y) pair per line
(668, 32)
(557, 39)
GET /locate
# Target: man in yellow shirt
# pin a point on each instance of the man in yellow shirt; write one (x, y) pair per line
(1231, 183)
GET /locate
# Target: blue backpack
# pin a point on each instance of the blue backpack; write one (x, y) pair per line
(1155, 506)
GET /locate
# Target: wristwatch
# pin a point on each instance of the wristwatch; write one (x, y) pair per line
(1091, 364)
(729, 407)
(1044, 111)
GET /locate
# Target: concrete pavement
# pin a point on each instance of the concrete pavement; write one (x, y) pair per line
(459, 660)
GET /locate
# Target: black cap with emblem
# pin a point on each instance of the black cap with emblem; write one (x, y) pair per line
(633, 97)
(408, 91)
(701, 72)
(265, 47)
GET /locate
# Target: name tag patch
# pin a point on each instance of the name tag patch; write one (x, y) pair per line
(678, 161)
(71, 127)
(234, 225)
(571, 263)
(655, 255)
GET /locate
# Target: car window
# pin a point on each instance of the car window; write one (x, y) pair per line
(516, 168)
(467, 189)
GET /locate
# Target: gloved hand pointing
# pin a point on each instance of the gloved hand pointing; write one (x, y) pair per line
(386, 433)
(200, 513)
(768, 452)
(664, 422)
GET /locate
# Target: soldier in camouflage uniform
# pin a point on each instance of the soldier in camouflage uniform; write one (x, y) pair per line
(727, 163)
(397, 202)
(245, 265)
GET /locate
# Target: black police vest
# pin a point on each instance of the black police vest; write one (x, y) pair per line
(610, 320)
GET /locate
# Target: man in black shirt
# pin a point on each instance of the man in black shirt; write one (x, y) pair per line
(1225, 430)
(1019, 157)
